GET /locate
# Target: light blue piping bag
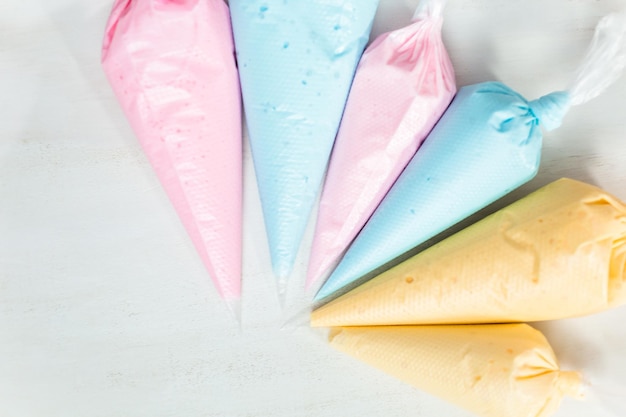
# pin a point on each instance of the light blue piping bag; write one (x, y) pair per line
(296, 63)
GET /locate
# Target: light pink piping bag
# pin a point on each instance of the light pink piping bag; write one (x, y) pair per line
(402, 86)
(171, 65)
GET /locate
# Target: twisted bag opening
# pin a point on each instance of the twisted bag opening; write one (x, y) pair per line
(551, 108)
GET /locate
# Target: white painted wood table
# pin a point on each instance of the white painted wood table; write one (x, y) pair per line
(105, 309)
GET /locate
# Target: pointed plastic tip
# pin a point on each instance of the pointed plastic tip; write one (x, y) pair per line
(323, 293)
(310, 293)
(313, 277)
(281, 287)
(325, 334)
(282, 267)
(234, 306)
(308, 281)
(314, 295)
(300, 319)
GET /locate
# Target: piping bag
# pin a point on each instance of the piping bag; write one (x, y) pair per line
(559, 252)
(296, 61)
(402, 86)
(172, 67)
(487, 143)
(492, 370)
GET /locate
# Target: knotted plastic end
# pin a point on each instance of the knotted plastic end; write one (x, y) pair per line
(429, 9)
(551, 108)
(571, 383)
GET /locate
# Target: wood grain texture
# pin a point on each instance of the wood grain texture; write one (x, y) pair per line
(105, 308)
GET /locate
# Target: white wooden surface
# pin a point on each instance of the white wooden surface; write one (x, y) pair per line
(105, 309)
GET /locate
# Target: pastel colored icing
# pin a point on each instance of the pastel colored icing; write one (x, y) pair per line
(171, 65)
(487, 143)
(402, 86)
(491, 370)
(296, 61)
(559, 252)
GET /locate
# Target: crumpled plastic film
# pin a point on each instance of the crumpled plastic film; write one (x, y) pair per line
(172, 67)
(487, 143)
(296, 61)
(559, 252)
(491, 370)
(402, 86)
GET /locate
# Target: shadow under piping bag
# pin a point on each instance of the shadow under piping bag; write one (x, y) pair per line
(487, 143)
(172, 68)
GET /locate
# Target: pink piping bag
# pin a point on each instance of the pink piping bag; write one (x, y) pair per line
(172, 67)
(403, 84)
